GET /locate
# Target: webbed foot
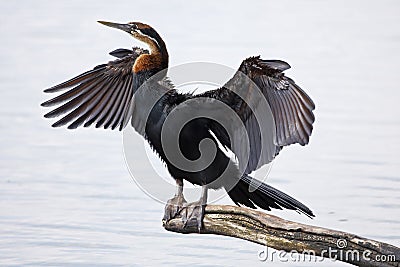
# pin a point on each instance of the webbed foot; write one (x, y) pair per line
(174, 207)
(193, 215)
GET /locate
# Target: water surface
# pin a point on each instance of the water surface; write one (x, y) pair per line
(66, 197)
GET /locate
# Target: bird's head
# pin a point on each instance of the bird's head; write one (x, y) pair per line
(158, 58)
(142, 32)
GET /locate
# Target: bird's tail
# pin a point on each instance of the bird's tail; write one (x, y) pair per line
(250, 192)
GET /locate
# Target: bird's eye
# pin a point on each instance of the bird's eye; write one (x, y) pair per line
(134, 26)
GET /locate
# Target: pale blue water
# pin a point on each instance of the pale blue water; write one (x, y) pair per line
(66, 197)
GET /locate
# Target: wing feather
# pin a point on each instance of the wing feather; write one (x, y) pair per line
(78, 106)
(116, 106)
(124, 110)
(78, 79)
(73, 93)
(100, 106)
(291, 108)
(89, 109)
(102, 95)
(121, 106)
(108, 109)
(75, 101)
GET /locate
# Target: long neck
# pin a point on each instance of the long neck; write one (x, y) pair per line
(159, 46)
(158, 49)
(158, 58)
(163, 53)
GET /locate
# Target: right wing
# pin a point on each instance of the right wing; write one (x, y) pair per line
(256, 82)
(103, 95)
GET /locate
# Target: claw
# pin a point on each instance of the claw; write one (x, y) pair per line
(174, 207)
(193, 215)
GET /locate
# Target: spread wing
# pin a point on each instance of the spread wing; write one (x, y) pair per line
(262, 81)
(103, 95)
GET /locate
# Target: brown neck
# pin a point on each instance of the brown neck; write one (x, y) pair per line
(158, 57)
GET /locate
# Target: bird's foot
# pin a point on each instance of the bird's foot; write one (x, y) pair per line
(193, 215)
(174, 207)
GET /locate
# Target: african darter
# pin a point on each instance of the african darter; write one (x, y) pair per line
(112, 95)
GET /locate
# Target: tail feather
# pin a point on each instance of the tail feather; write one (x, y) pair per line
(250, 192)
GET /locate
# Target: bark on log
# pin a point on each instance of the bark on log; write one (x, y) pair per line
(280, 234)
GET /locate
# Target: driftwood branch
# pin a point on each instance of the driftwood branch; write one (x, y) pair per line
(283, 235)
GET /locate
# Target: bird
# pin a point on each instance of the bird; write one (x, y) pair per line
(134, 89)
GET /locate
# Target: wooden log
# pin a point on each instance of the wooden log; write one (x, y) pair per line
(283, 235)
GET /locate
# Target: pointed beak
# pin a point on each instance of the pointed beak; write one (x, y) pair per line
(124, 27)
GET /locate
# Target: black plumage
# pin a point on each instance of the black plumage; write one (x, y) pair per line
(109, 96)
